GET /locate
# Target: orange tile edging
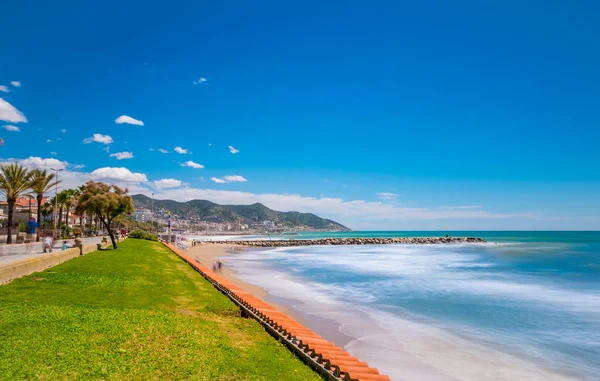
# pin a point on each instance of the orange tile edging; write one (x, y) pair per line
(323, 356)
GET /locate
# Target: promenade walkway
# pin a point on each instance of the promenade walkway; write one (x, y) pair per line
(14, 253)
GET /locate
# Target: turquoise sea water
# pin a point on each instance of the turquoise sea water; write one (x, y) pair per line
(526, 305)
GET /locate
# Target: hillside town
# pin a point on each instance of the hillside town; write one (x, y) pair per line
(210, 225)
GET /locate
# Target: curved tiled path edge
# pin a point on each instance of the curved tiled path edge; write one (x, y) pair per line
(323, 356)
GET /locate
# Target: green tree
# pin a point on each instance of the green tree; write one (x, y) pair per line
(60, 200)
(42, 182)
(46, 211)
(69, 195)
(14, 181)
(107, 202)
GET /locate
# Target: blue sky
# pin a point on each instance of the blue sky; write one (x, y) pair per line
(382, 115)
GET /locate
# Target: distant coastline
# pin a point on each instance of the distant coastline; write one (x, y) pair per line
(351, 241)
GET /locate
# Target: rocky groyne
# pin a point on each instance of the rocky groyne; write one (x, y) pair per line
(352, 241)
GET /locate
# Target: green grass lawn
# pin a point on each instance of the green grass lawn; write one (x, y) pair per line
(136, 313)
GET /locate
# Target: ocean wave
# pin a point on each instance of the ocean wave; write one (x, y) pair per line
(460, 289)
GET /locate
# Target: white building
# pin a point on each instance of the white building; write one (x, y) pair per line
(142, 215)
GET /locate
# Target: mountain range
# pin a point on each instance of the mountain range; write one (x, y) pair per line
(252, 215)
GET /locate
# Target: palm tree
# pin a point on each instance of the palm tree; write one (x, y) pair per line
(14, 181)
(41, 182)
(61, 200)
(69, 196)
(47, 210)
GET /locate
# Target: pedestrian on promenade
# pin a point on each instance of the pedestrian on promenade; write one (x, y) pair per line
(32, 226)
(47, 244)
(64, 246)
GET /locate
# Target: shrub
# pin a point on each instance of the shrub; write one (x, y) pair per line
(140, 234)
(22, 227)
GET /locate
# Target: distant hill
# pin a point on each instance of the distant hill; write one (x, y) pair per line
(252, 215)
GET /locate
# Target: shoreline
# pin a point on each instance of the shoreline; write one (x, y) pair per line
(423, 351)
(208, 254)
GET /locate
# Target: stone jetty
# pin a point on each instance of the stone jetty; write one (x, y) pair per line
(352, 241)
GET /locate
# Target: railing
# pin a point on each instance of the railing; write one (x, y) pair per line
(324, 357)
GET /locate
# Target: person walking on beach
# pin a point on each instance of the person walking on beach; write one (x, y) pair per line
(219, 265)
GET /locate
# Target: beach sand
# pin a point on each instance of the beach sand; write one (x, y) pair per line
(420, 352)
(209, 254)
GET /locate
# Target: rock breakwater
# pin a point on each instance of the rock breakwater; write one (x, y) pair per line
(353, 241)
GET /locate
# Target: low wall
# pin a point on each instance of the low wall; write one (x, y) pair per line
(20, 268)
(324, 357)
(10, 271)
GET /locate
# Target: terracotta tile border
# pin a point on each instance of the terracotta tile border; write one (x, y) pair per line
(323, 356)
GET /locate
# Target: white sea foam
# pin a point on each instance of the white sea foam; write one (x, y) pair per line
(412, 348)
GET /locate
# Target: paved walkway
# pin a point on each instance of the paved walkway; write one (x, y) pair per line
(13, 253)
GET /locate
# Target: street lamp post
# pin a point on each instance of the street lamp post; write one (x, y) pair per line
(55, 200)
(152, 215)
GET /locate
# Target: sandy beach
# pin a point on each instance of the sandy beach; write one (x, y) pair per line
(421, 351)
(208, 254)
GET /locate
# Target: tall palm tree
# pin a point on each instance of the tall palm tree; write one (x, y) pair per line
(60, 200)
(42, 182)
(14, 181)
(47, 210)
(71, 195)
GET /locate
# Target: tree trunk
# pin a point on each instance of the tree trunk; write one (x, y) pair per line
(60, 218)
(40, 197)
(67, 215)
(110, 232)
(11, 207)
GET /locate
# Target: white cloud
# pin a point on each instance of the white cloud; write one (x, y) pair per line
(161, 150)
(234, 178)
(38, 162)
(63, 130)
(387, 196)
(9, 113)
(53, 153)
(356, 213)
(78, 166)
(233, 150)
(229, 179)
(129, 120)
(167, 183)
(122, 155)
(48, 140)
(150, 149)
(118, 174)
(199, 81)
(98, 138)
(209, 144)
(15, 83)
(9, 127)
(4, 89)
(180, 150)
(191, 164)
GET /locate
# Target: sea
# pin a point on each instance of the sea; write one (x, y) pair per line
(523, 306)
